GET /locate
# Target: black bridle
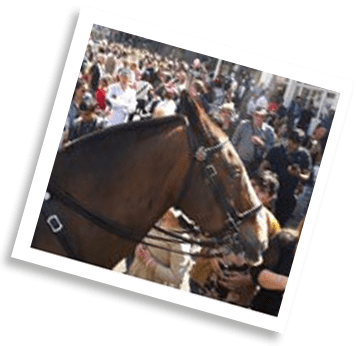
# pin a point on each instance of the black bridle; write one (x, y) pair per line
(203, 157)
(201, 154)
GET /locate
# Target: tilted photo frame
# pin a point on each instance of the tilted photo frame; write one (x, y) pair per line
(296, 81)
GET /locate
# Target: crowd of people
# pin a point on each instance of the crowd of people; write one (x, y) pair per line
(281, 153)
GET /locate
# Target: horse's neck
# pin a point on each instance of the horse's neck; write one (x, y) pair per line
(132, 185)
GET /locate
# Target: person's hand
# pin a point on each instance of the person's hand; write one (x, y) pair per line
(299, 189)
(294, 170)
(107, 112)
(193, 92)
(144, 256)
(235, 280)
(315, 148)
(233, 297)
(216, 266)
(139, 251)
(196, 63)
(236, 259)
(256, 140)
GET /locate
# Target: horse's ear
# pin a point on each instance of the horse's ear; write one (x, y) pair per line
(189, 108)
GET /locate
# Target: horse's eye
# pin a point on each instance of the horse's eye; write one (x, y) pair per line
(235, 172)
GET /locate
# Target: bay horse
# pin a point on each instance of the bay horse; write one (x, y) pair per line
(129, 175)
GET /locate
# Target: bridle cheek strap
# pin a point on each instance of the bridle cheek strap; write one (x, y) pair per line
(203, 156)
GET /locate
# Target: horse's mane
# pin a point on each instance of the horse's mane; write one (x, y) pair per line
(123, 132)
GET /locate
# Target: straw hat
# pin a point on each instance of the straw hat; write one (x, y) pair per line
(229, 106)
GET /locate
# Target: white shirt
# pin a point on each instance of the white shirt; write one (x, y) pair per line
(168, 106)
(123, 103)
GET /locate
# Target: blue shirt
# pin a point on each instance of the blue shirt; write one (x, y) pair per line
(295, 113)
(242, 142)
(71, 116)
(280, 159)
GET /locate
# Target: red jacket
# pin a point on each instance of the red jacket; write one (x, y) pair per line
(100, 97)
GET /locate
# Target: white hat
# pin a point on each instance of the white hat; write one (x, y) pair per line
(229, 106)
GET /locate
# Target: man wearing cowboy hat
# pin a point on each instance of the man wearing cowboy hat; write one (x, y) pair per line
(252, 139)
(227, 119)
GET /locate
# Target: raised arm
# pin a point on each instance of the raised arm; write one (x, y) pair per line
(272, 281)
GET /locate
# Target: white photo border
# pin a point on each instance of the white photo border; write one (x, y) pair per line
(22, 249)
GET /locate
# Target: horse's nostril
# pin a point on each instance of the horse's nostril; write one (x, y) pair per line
(255, 262)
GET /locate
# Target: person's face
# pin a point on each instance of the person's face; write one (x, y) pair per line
(318, 133)
(180, 77)
(124, 79)
(263, 196)
(258, 119)
(101, 60)
(103, 84)
(225, 114)
(292, 146)
(80, 92)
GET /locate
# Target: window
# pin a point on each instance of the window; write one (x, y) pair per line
(331, 95)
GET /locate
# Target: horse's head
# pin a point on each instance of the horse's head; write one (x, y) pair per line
(219, 195)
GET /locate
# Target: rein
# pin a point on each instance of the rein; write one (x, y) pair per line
(111, 227)
(191, 254)
(200, 154)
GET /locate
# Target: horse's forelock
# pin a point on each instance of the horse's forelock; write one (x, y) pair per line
(198, 118)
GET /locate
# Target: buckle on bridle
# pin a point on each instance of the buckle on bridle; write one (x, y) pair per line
(211, 171)
(232, 222)
(55, 223)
